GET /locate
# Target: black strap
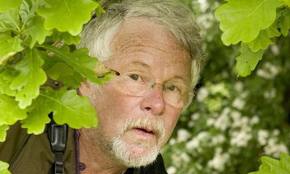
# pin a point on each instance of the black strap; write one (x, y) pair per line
(57, 135)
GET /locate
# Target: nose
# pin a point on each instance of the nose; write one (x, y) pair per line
(153, 101)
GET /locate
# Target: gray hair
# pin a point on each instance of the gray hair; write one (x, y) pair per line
(176, 17)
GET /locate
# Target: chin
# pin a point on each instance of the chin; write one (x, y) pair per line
(134, 155)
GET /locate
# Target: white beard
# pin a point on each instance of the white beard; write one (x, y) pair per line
(123, 152)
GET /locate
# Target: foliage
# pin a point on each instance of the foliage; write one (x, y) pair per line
(41, 67)
(4, 168)
(232, 121)
(274, 166)
(254, 25)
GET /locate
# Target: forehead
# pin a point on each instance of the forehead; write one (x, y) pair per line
(144, 41)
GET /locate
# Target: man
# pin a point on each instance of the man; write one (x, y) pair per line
(153, 46)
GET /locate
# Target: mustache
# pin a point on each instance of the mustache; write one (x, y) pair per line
(152, 125)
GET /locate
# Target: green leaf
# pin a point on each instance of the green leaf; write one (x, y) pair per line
(70, 108)
(9, 4)
(273, 166)
(35, 29)
(38, 115)
(9, 20)
(85, 65)
(243, 20)
(3, 132)
(4, 168)
(67, 15)
(247, 61)
(66, 38)
(285, 161)
(9, 46)
(9, 111)
(287, 2)
(284, 22)
(30, 78)
(6, 77)
(264, 39)
(65, 74)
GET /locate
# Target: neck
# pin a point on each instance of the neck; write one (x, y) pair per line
(97, 160)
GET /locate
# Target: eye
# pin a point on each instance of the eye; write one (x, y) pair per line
(172, 88)
(135, 77)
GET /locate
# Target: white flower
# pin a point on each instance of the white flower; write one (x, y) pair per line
(203, 136)
(239, 103)
(270, 94)
(192, 144)
(275, 49)
(239, 86)
(172, 141)
(219, 161)
(184, 156)
(171, 170)
(255, 120)
(202, 94)
(222, 123)
(219, 139)
(195, 116)
(210, 122)
(182, 135)
(236, 116)
(276, 132)
(240, 138)
(263, 135)
(268, 71)
(203, 5)
(264, 74)
(275, 149)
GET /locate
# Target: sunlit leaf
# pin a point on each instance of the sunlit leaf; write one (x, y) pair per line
(65, 74)
(264, 39)
(67, 15)
(3, 132)
(30, 78)
(38, 115)
(9, 4)
(247, 61)
(4, 168)
(273, 166)
(36, 31)
(65, 38)
(85, 65)
(284, 22)
(9, 112)
(243, 20)
(287, 2)
(9, 46)
(70, 108)
(6, 77)
(9, 20)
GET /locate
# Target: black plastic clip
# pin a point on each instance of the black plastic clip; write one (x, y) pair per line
(57, 135)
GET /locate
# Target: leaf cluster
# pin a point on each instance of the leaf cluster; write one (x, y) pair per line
(254, 25)
(41, 67)
(274, 166)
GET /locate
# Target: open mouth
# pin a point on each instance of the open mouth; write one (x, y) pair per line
(144, 130)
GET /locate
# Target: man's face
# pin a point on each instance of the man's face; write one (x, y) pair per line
(139, 109)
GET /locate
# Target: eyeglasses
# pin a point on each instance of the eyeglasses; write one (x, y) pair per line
(137, 84)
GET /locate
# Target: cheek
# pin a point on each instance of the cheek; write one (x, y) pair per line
(113, 108)
(170, 121)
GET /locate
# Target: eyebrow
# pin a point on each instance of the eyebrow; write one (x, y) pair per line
(178, 78)
(136, 63)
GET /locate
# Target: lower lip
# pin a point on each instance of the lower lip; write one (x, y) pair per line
(143, 133)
